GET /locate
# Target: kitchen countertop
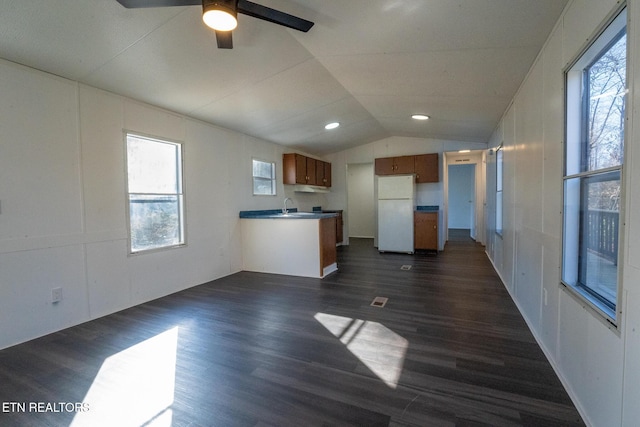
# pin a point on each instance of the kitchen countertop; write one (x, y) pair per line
(427, 208)
(277, 214)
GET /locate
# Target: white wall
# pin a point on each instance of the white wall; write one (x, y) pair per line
(62, 203)
(599, 366)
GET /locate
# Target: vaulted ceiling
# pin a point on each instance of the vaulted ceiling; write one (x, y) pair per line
(368, 64)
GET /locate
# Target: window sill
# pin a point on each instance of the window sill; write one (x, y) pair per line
(154, 250)
(600, 310)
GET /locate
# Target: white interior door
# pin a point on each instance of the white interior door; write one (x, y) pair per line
(462, 198)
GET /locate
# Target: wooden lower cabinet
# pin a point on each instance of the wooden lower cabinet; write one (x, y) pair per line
(339, 226)
(425, 230)
(328, 254)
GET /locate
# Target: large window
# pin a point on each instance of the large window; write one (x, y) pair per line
(595, 123)
(264, 178)
(154, 186)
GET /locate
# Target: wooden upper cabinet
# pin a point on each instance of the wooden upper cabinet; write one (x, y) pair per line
(404, 164)
(394, 165)
(319, 172)
(294, 169)
(426, 168)
(323, 173)
(311, 171)
(327, 174)
(384, 166)
(299, 169)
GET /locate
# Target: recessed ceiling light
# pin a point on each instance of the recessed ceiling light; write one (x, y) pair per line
(420, 117)
(464, 151)
(332, 125)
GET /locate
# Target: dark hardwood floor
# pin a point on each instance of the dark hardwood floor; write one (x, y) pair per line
(449, 348)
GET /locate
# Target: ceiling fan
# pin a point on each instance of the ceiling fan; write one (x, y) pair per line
(221, 15)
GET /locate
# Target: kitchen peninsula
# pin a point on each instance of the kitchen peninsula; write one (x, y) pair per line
(292, 243)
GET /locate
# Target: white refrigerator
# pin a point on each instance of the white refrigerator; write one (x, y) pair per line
(396, 202)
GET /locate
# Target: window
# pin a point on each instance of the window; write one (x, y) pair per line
(499, 179)
(264, 178)
(155, 191)
(595, 132)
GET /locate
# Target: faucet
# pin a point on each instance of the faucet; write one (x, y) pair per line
(284, 207)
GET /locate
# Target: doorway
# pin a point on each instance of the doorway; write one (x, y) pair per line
(461, 214)
(361, 209)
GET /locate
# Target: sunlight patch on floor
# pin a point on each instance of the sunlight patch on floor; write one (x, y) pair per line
(376, 346)
(134, 387)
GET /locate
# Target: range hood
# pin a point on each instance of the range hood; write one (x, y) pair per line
(300, 188)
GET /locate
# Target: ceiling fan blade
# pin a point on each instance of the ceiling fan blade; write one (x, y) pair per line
(134, 4)
(225, 39)
(272, 15)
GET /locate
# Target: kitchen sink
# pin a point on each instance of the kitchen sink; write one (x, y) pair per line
(298, 214)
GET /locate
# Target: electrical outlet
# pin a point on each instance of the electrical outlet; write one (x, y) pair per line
(56, 295)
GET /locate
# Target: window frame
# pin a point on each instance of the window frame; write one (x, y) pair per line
(273, 179)
(577, 174)
(499, 222)
(180, 193)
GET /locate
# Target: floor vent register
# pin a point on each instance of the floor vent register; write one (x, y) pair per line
(379, 302)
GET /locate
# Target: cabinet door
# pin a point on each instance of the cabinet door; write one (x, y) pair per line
(327, 174)
(301, 169)
(323, 173)
(384, 166)
(426, 167)
(339, 225)
(320, 180)
(289, 168)
(426, 230)
(404, 164)
(328, 253)
(311, 171)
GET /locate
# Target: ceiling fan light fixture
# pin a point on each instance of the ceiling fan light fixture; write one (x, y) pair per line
(219, 16)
